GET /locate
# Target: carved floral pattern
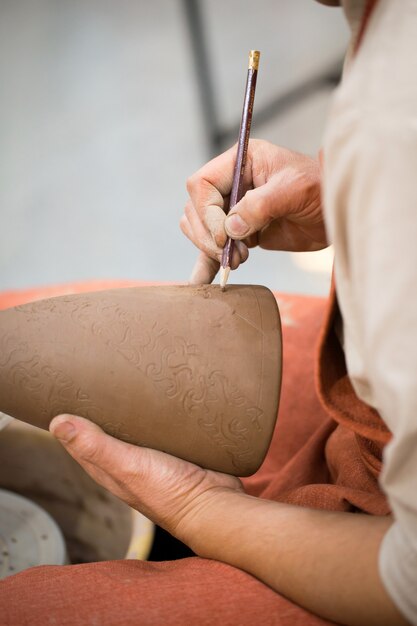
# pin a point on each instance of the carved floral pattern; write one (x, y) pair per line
(175, 366)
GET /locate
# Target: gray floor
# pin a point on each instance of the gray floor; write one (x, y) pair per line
(100, 125)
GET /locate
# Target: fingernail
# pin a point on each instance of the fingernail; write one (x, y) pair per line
(62, 429)
(235, 226)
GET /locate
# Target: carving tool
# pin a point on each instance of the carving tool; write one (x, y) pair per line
(242, 150)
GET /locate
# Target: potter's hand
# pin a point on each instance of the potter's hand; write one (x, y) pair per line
(169, 491)
(280, 544)
(280, 211)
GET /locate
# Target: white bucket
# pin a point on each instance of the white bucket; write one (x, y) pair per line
(96, 525)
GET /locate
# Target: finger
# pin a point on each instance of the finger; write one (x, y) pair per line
(260, 206)
(204, 271)
(243, 251)
(202, 235)
(198, 233)
(239, 255)
(206, 267)
(252, 241)
(211, 183)
(112, 463)
(214, 221)
(209, 189)
(212, 226)
(186, 228)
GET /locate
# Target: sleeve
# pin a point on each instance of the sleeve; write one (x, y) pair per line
(389, 314)
(372, 201)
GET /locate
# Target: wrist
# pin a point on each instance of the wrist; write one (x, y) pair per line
(205, 519)
(216, 526)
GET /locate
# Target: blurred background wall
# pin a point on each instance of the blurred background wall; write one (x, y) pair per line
(107, 107)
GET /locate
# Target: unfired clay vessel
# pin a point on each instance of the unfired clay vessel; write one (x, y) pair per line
(192, 371)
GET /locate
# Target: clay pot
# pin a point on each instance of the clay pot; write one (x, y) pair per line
(192, 371)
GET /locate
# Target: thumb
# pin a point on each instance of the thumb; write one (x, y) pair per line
(258, 208)
(120, 467)
(89, 444)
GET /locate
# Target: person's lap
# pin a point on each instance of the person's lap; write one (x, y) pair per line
(188, 591)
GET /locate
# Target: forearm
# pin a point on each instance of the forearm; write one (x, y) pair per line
(324, 561)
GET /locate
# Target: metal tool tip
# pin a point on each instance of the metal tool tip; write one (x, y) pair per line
(224, 275)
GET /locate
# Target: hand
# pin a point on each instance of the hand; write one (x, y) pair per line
(169, 491)
(279, 544)
(281, 209)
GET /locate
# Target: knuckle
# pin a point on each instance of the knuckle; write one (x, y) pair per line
(312, 185)
(135, 469)
(128, 480)
(89, 450)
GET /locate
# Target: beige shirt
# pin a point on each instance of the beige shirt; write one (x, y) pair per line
(370, 197)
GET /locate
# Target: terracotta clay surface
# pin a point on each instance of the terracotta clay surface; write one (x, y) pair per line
(192, 371)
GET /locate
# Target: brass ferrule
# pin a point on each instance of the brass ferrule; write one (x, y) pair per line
(254, 59)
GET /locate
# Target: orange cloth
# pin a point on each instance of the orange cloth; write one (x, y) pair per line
(316, 459)
(332, 441)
